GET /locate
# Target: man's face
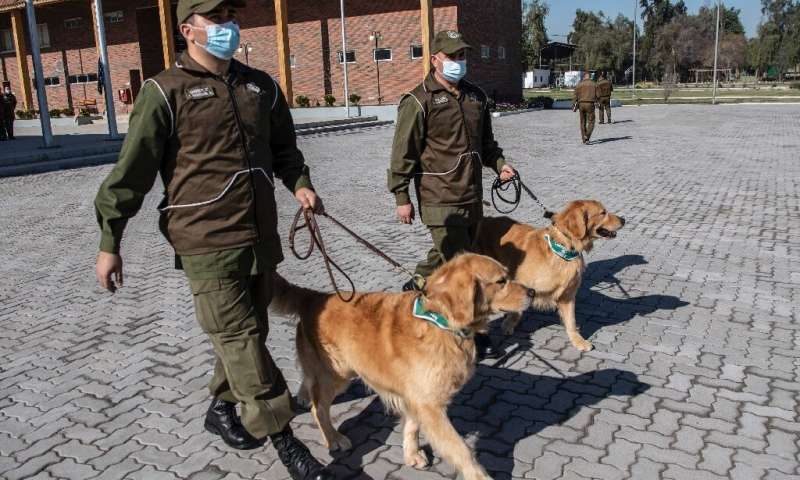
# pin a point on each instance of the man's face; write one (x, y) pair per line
(194, 30)
(439, 58)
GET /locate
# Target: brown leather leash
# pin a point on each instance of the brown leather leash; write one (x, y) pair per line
(316, 240)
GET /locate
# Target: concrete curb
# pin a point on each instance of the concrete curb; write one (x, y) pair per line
(60, 164)
(515, 112)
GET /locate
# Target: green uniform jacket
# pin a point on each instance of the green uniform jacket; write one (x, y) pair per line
(442, 141)
(604, 89)
(585, 92)
(217, 143)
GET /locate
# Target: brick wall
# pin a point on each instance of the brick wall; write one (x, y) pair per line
(314, 38)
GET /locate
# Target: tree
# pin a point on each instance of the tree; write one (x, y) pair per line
(778, 42)
(656, 14)
(534, 33)
(603, 44)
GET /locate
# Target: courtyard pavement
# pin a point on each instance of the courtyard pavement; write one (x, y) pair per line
(693, 312)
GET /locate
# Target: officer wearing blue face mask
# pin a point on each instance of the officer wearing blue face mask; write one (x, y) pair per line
(442, 140)
(218, 133)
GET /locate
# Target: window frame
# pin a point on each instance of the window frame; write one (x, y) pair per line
(375, 54)
(411, 52)
(486, 52)
(340, 58)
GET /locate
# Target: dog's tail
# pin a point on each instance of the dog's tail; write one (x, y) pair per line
(289, 299)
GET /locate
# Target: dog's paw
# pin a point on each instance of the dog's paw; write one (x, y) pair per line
(417, 460)
(582, 345)
(339, 443)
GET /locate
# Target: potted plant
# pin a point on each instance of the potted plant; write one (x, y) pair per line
(355, 99)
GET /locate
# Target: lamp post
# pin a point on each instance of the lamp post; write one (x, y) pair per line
(245, 48)
(376, 37)
(633, 77)
(716, 54)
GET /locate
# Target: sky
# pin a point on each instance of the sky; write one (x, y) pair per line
(562, 12)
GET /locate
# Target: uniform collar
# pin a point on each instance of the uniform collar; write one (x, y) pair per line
(433, 86)
(186, 63)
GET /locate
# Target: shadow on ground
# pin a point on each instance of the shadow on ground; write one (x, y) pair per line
(499, 405)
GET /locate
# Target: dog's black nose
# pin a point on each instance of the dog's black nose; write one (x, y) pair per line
(622, 219)
(531, 293)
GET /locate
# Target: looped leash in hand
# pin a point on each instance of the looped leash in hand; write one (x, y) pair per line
(316, 239)
(516, 186)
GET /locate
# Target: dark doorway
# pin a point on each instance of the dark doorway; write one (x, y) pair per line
(151, 49)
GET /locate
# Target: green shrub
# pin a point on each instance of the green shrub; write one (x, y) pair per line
(355, 98)
(68, 112)
(541, 101)
(302, 101)
(55, 113)
(26, 114)
(330, 100)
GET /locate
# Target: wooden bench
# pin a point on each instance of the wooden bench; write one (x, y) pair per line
(89, 104)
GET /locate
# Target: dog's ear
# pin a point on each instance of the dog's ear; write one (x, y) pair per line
(573, 221)
(452, 292)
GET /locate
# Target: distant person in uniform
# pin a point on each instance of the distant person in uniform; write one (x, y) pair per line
(8, 105)
(584, 100)
(604, 89)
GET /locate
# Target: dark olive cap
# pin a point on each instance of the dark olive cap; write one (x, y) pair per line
(187, 8)
(448, 42)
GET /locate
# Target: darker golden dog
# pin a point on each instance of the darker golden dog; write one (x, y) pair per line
(414, 365)
(536, 259)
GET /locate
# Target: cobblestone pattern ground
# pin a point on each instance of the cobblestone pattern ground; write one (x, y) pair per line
(693, 312)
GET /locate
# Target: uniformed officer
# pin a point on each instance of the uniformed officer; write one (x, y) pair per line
(219, 133)
(8, 103)
(604, 89)
(443, 137)
(584, 99)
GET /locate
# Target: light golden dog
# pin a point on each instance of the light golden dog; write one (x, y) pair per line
(533, 260)
(415, 366)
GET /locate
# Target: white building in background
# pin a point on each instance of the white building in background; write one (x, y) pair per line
(572, 78)
(537, 78)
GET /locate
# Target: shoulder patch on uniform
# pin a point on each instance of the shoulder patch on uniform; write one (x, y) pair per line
(441, 100)
(198, 93)
(253, 88)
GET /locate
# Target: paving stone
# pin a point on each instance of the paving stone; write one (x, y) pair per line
(695, 372)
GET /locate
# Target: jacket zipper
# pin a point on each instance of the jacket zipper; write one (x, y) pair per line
(247, 157)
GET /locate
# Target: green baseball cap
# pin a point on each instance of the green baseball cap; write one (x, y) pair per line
(187, 8)
(448, 42)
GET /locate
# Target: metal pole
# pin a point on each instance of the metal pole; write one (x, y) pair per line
(41, 96)
(344, 59)
(111, 115)
(377, 65)
(716, 54)
(633, 77)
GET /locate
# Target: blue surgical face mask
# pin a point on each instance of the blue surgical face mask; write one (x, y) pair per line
(222, 40)
(454, 71)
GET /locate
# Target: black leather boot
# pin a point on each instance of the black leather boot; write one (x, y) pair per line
(297, 459)
(222, 420)
(485, 348)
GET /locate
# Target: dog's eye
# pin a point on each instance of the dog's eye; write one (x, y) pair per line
(502, 281)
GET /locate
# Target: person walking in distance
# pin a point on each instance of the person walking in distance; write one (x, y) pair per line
(584, 99)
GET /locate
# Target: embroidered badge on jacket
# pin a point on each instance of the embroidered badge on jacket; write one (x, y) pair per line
(440, 100)
(198, 93)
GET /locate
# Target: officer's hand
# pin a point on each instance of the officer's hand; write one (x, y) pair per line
(308, 199)
(406, 213)
(109, 264)
(507, 173)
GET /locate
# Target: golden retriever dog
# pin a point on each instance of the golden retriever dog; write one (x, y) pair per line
(415, 365)
(532, 257)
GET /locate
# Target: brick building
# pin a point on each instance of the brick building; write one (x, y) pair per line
(136, 51)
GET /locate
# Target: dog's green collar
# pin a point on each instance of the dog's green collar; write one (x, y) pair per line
(561, 250)
(438, 320)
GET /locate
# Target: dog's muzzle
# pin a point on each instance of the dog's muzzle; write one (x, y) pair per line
(606, 233)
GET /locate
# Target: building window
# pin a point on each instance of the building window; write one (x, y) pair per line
(351, 56)
(501, 53)
(382, 54)
(44, 36)
(292, 61)
(486, 51)
(6, 41)
(52, 81)
(116, 16)
(82, 78)
(73, 23)
(416, 52)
